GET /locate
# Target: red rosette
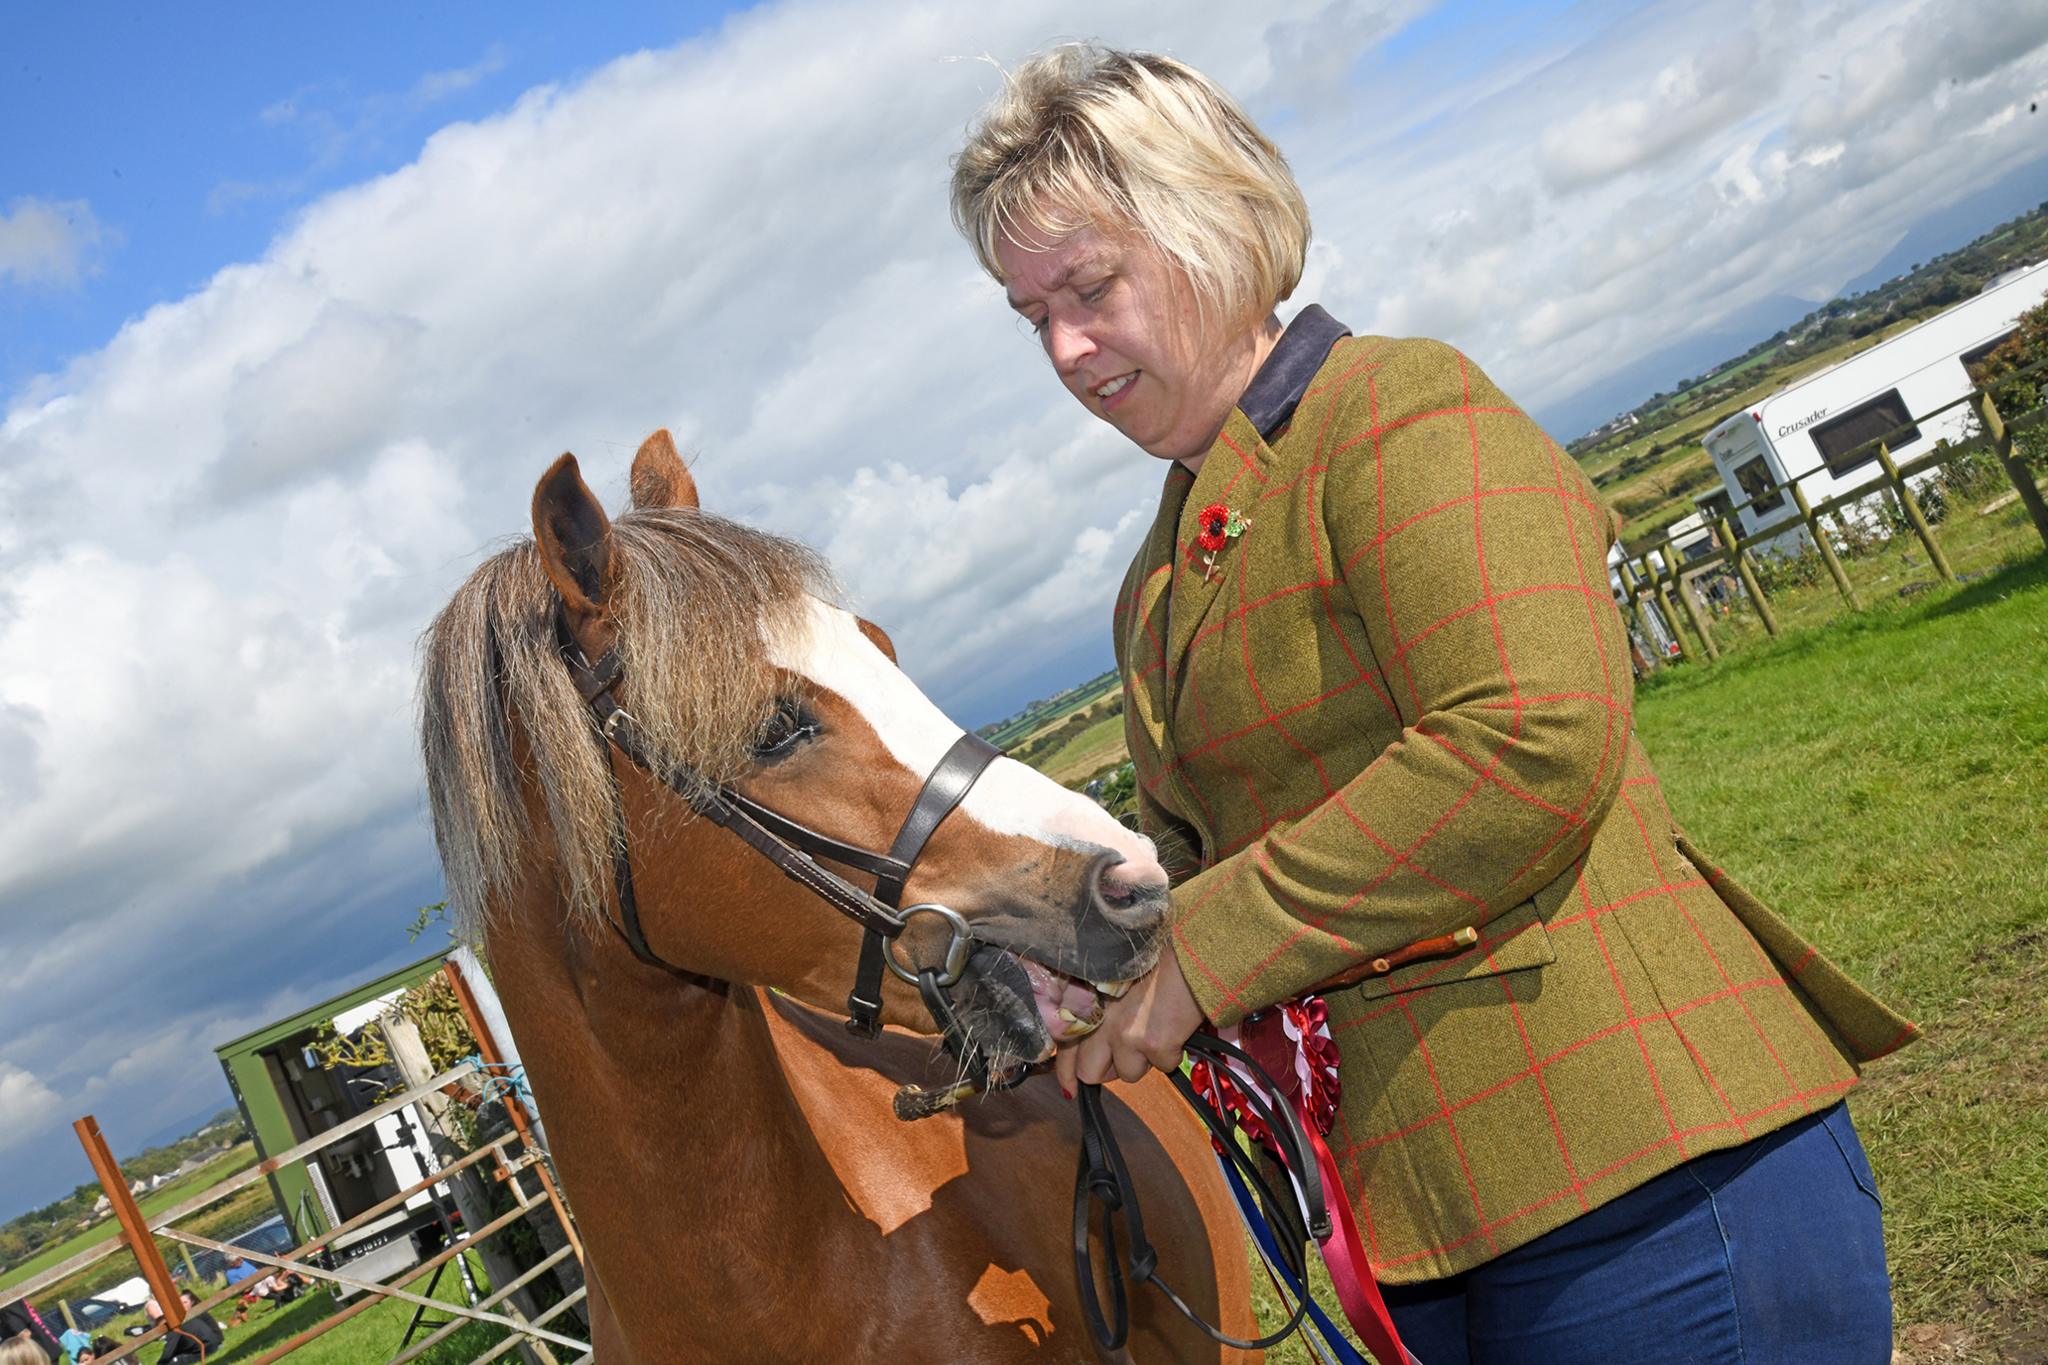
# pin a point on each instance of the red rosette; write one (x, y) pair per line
(1215, 524)
(1318, 1057)
(1220, 1089)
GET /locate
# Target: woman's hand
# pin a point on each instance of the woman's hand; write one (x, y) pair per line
(1145, 1028)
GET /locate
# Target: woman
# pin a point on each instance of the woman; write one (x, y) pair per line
(1378, 697)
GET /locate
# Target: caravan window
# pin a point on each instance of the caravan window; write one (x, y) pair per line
(1839, 438)
(1975, 355)
(1754, 477)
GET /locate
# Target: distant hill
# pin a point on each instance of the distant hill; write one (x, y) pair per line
(1925, 288)
(24, 1235)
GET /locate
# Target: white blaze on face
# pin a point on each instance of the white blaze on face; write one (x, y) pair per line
(1009, 798)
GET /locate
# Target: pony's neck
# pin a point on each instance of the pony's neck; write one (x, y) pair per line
(685, 1120)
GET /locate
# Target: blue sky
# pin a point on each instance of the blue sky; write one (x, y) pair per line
(192, 131)
(294, 308)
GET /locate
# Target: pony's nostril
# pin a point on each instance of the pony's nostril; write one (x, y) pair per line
(1118, 885)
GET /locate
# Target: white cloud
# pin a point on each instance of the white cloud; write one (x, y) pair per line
(1685, 100)
(221, 533)
(26, 1104)
(49, 241)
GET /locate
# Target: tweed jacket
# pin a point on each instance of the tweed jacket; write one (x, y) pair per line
(1398, 704)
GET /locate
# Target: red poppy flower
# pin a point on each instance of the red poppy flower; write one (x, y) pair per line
(1215, 523)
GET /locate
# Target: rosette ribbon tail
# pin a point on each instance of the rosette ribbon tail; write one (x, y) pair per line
(1358, 1293)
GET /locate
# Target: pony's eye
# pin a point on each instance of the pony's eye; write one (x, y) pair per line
(784, 732)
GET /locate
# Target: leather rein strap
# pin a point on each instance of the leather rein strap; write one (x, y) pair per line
(1102, 1180)
(793, 848)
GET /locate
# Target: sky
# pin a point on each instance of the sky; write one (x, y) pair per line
(295, 306)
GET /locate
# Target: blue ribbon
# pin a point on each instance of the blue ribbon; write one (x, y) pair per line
(1248, 1209)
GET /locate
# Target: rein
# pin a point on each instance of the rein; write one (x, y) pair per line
(1102, 1181)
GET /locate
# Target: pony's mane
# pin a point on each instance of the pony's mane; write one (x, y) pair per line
(699, 599)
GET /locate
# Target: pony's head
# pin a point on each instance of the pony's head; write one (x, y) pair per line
(740, 671)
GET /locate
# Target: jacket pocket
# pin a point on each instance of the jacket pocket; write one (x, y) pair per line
(1513, 941)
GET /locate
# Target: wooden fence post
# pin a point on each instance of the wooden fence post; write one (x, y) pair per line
(2015, 468)
(134, 1227)
(1654, 590)
(1826, 545)
(1916, 517)
(1700, 627)
(1733, 544)
(1633, 592)
(1662, 595)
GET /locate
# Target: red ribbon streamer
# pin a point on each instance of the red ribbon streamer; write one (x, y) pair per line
(1293, 1043)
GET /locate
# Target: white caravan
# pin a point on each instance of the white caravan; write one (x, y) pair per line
(1818, 423)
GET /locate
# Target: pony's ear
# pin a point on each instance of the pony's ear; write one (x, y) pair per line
(574, 537)
(659, 479)
(878, 637)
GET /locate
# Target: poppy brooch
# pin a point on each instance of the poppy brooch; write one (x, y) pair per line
(1217, 527)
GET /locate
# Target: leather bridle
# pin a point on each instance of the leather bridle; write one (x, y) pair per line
(796, 849)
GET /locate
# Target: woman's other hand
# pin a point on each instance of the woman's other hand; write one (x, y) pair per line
(1145, 1028)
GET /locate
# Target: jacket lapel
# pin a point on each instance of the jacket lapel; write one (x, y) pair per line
(1227, 477)
(1145, 628)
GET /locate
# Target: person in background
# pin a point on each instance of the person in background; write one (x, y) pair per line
(20, 1319)
(282, 1285)
(238, 1271)
(95, 1348)
(193, 1340)
(75, 1343)
(1584, 1090)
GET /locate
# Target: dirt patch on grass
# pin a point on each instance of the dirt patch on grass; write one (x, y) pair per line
(2013, 1333)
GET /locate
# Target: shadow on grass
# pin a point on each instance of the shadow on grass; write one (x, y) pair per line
(268, 1327)
(2024, 575)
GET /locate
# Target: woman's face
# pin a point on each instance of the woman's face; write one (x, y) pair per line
(1124, 333)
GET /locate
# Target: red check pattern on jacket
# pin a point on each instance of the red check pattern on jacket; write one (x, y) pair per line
(1399, 704)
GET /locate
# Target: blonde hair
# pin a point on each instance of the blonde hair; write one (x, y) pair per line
(1084, 136)
(22, 1350)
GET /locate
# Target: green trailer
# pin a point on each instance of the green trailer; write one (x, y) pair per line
(287, 1096)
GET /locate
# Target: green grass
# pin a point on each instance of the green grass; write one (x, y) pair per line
(1080, 758)
(237, 1158)
(1880, 780)
(371, 1335)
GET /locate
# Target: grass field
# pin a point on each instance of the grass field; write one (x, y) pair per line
(1081, 757)
(372, 1335)
(1881, 778)
(237, 1158)
(1881, 781)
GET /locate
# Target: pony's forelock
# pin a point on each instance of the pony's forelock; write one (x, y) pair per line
(699, 602)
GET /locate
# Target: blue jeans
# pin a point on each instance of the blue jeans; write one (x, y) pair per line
(1770, 1253)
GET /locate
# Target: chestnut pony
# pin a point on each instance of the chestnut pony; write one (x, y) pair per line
(743, 1189)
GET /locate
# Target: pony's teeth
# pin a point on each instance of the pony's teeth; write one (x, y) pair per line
(1112, 989)
(1077, 1027)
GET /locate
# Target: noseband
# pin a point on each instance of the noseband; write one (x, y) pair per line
(795, 849)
